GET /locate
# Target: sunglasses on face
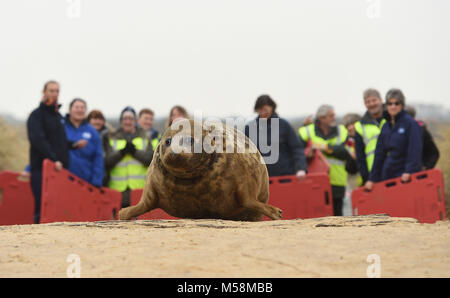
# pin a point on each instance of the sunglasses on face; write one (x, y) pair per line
(391, 103)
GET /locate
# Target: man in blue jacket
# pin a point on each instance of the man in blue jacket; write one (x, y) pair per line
(86, 154)
(45, 129)
(399, 147)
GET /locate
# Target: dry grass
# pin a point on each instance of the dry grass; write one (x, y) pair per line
(13, 147)
(443, 142)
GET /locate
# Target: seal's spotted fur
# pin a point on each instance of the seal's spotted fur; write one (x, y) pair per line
(232, 186)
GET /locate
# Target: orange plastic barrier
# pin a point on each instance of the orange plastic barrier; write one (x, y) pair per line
(16, 200)
(421, 198)
(154, 214)
(308, 198)
(65, 197)
(318, 163)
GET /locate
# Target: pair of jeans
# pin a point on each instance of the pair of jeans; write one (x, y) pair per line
(36, 188)
(338, 194)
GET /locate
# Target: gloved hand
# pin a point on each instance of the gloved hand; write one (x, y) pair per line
(123, 151)
(129, 148)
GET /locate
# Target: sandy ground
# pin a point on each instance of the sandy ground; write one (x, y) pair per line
(324, 247)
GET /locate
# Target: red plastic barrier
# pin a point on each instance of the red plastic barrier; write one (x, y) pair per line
(65, 197)
(154, 214)
(308, 198)
(318, 163)
(421, 198)
(16, 200)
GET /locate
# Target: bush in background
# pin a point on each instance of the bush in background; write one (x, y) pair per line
(14, 147)
(443, 143)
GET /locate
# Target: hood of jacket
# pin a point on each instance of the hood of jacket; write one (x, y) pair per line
(67, 120)
(333, 131)
(120, 134)
(367, 119)
(50, 108)
(397, 117)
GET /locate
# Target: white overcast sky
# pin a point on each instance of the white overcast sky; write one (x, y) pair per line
(219, 55)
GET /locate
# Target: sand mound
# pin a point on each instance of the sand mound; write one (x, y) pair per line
(323, 247)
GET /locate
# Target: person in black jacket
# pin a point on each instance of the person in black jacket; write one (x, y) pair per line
(281, 148)
(430, 154)
(349, 120)
(47, 136)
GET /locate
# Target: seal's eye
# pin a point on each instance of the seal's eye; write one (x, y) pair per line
(168, 142)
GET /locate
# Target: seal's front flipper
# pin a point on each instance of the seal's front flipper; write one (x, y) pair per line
(147, 203)
(134, 211)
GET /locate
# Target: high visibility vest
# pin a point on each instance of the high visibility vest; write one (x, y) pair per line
(338, 174)
(129, 172)
(155, 142)
(369, 134)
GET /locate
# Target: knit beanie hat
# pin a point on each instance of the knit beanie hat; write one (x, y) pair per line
(127, 109)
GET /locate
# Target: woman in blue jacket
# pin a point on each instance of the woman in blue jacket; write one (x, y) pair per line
(399, 147)
(86, 154)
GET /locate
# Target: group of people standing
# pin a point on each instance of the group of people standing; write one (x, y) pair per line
(385, 143)
(86, 145)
